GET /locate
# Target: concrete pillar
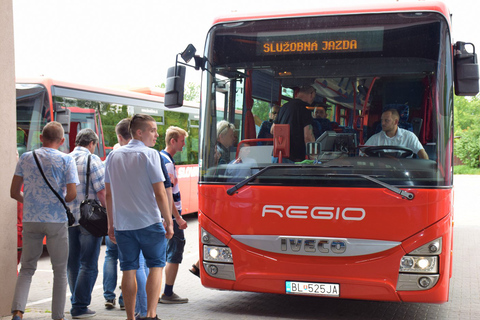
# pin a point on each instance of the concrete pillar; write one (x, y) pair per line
(8, 207)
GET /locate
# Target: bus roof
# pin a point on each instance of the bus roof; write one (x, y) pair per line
(143, 93)
(425, 6)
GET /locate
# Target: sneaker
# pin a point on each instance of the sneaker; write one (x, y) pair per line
(174, 298)
(87, 314)
(137, 317)
(122, 306)
(110, 303)
(16, 317)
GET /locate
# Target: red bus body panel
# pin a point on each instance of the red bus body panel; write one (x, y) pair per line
(433, 6)
(188, 183)
(371, 277)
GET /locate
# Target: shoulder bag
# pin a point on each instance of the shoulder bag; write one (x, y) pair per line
(93, 216)
(71, 218)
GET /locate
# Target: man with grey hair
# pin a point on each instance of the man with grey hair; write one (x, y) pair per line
(84, 248)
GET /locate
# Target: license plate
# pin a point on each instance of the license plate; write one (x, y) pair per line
(313, 288)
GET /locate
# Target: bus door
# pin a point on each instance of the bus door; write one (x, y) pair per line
(80, 118)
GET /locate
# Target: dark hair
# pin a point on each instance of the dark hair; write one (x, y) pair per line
(53, 131)
(307, 89)
(394, 113)
(320, 105)
(85, 137)
(122, 128)
(138, 122)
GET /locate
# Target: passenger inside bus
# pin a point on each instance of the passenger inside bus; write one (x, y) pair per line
(225, 140)
(264, 132)
(296, 114)
(392, 135)
(320, 121)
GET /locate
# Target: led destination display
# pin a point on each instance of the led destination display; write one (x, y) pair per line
(357, 40)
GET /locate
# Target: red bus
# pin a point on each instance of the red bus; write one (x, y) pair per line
(40, 100)
(349, 222)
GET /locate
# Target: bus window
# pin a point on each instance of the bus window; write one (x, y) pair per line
(32, 115)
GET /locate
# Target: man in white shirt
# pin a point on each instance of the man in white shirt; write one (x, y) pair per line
(392, 135)
(136, 202)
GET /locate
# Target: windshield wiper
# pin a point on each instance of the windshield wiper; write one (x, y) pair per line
(233, 189)
(404, 194)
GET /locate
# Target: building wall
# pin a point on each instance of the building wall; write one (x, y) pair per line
(8, 216)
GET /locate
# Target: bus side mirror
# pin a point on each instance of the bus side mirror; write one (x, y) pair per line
(466, 70)
(63, 116)
(175, 87)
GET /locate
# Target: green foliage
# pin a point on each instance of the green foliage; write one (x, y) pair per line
(463, 169)
(261, 109)
(192, 92)
(111, 115)
(467, 129)
(467, 148)
(466, 114)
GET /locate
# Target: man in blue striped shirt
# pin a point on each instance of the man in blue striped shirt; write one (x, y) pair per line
(174, 141)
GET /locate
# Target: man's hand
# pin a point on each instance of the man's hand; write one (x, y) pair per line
(182, 224)
(111, 234)
(169, 231)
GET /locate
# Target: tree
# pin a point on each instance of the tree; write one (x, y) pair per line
(192, 92)
(466, 120)
(466, 114)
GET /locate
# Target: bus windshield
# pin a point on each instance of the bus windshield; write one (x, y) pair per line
(360, 66)
(32, 109)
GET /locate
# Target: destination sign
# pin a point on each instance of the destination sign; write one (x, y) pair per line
(357, 40)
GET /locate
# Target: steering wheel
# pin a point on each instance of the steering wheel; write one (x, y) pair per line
(388, 152)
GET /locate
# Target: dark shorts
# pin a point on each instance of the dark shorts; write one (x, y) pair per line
(176, 245)
(150, 240)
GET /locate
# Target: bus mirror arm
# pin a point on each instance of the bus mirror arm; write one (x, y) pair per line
(174, 88)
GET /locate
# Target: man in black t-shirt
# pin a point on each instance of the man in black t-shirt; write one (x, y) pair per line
(296, 114)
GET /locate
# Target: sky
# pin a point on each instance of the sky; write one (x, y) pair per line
(132, 43)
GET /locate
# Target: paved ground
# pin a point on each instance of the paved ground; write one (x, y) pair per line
(212, 304)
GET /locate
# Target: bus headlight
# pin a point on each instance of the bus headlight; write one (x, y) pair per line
(217, 254)
(414, 264)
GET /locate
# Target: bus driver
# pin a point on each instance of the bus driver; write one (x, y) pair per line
(392, 135)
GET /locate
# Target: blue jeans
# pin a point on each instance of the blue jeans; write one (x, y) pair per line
(110, 271)
(142, 274)
(150, 241)
(82, 268)
(176, 245)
